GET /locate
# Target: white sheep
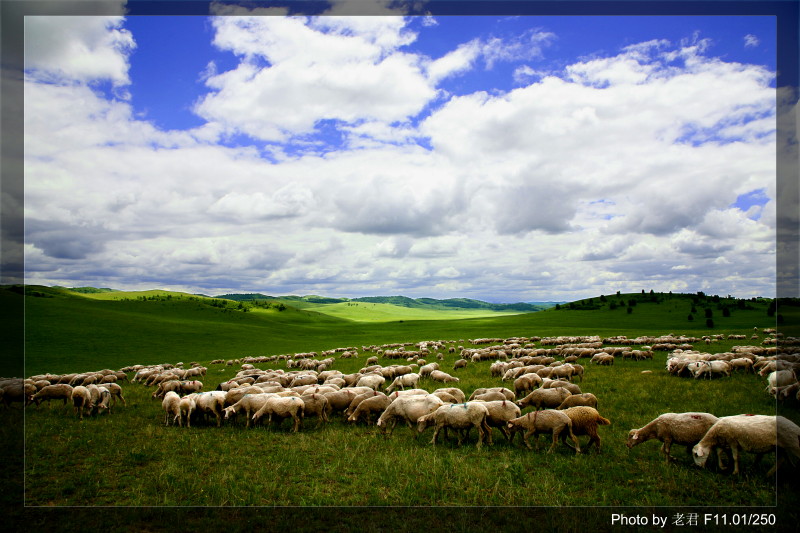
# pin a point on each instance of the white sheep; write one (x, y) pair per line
(462, 416)
(281, 407)
(171, 405)
(61, 391)
(408, 409)
(250, 403)
(406, 380)
(680, 428)
(545, 398)
(455, 392)
(500, 412)
(712, 368)
(751, 433)
(372, 381)
(373, 405)
(585, 398)
(443, 377)
(81, 399)
(546, 421)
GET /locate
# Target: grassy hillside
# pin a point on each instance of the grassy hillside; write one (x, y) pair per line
(382, 312)
(65, 331)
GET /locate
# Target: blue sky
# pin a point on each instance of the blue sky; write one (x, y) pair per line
(501, 158)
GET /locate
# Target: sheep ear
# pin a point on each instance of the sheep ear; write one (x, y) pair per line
(635, 436)
(700, 453)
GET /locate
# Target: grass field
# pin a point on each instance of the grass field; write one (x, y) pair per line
(336, 464)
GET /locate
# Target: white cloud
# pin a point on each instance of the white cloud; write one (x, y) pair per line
(68, 49)
(751, 40)
(617, 171)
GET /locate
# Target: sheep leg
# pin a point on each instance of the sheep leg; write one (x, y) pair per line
(735, 453)
(665, 448)
(525, 438)
(556, 433)
(435, 434)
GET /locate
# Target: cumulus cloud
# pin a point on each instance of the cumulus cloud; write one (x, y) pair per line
(78, 49)
(620, 170)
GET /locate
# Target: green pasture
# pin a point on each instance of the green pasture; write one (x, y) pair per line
(129, 458)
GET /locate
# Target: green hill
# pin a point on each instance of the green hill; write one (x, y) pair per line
(65, 331)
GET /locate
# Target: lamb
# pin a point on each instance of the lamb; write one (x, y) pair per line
(500, 412)
(574, 400)
(373, 405)
(585, 421)
(751, 433)
(409, 409)
(546, 421)
(681, 428)
(53, 392)
(444, 377)
(406, 380)
(81, 399)
(463, 416)
(544, 398)
(171, 405)
(282, 407)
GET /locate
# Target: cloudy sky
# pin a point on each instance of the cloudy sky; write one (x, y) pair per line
(501, 158)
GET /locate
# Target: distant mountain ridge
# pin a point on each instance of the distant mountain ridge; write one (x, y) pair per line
(403, 301)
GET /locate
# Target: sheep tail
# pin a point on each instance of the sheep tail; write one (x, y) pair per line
(603, 421)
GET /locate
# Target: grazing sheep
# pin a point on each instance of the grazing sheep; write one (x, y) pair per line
(211, 403)
(187, 406)
(506, 392)
(171, 405)
(712, 368)
(425, 370)
(282, 407)
(544, 398)
(316, 405)
(81, 399)
(188, 387)
(408, 409)
(444, 377)
(446, 397)
(552, 384)
(500, 413)
(406, 380)
(546, 421)
(585, 421)
(374, 405)
(463, 416)
(250, 403)
(461, 363)
(526, 383)
(489, 396)
(758, 434)
(354, 403)
(53, 392)
(574, 400)
(340, 400)
(681, 428)
(602, 359)
(373, 381)
(14, 390)
(455, 392)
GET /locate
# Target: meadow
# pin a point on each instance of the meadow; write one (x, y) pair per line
(129, 458)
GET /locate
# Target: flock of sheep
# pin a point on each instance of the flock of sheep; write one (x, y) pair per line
(543, 379)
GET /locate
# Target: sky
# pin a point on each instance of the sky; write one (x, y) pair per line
(500, 158)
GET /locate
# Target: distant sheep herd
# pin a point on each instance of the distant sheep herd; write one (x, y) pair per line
(542, 379)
